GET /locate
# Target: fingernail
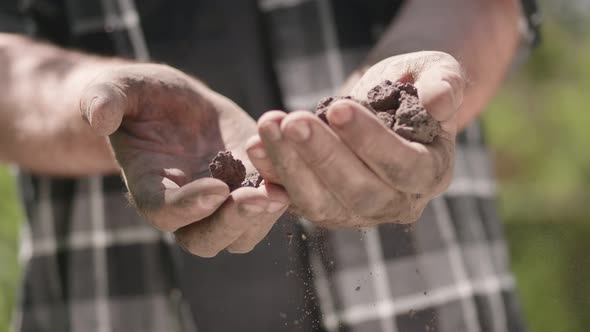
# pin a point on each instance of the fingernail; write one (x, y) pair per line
(298, 131)
(274, 207)
(340, 114)
(251, 209)
(211, 201)
(258, 153)
(272, 131)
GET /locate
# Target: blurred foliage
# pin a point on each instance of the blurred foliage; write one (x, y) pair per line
(10, 216)
(539, 130)
(552, 268)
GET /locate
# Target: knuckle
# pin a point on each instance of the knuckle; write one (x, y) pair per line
(185, 239)
(162, 225)
(156, 219)
(324, 158)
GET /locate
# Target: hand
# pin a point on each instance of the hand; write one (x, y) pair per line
(164, 129)
(356, 172)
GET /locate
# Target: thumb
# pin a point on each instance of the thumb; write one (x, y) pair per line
(103, 106)
(441, 90)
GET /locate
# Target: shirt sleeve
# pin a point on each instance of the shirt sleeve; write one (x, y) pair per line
(11, 18)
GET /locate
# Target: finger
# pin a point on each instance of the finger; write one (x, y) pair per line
(407, 166)
(103, 106)
(216, 232)
(440, 89)
(277, 206)
(305, 189)
(339, 169)
(169, 206)
(259, 159)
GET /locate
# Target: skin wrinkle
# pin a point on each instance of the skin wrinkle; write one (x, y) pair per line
(364, 203)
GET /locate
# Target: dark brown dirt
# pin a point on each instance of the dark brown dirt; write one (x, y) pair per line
(322, 109)
(413, 122)
(228, 169)
(387, 119)
(385, 97)
(398, 107)
(232, 171)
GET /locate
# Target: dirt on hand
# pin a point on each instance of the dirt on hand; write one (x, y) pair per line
(413, 122)
(398, 107)
(228, 169)
(322, 107)
(232, 171)
(385, 97)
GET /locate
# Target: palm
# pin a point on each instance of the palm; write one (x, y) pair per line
(164, 128)
(172, 132)
(168, 130)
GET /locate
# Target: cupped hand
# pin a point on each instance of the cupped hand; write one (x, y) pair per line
(164, 128)
(355, 172)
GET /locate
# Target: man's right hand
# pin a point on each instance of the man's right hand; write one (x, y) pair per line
(164, 128)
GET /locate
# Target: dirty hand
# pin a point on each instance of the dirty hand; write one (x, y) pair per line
(355, 172)
(164, 128)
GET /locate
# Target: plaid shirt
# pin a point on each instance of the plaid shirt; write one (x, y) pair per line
(91, 263)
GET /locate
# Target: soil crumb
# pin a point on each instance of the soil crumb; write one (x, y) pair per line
(398, 107)
(228, 169)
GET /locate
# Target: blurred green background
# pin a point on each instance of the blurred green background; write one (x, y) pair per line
(539, 131)
(538, 128)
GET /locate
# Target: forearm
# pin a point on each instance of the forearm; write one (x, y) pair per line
(40, 124)
(481, 34)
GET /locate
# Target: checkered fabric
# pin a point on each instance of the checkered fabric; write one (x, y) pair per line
(92, 264)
